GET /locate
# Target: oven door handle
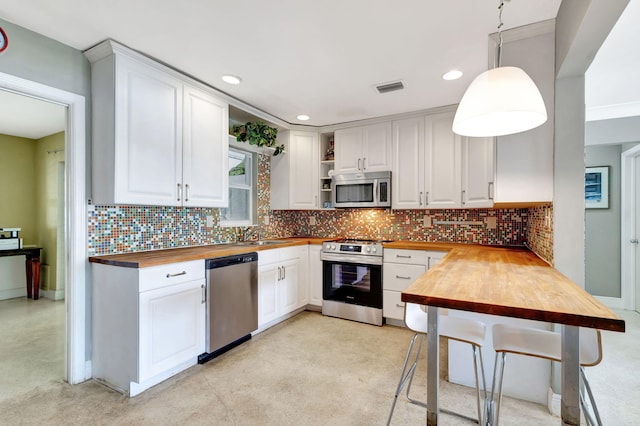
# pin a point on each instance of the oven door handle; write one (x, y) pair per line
(345, 258)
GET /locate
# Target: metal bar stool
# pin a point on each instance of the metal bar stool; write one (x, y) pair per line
(460, 329)
(545, 344)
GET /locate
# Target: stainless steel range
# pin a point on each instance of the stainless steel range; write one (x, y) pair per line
(352, 280)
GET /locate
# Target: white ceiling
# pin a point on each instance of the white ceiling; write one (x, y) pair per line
(612, 82)
(28, 117)
(318, 58)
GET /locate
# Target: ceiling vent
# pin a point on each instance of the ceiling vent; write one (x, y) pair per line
(390, 87)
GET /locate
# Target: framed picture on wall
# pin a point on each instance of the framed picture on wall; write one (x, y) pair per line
(596, 187)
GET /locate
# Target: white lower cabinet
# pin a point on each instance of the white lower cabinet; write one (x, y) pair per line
(172, 327)
(315, 275)
(278, 284)
(400, 269)
(148, 323)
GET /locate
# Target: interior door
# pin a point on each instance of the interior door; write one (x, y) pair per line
(636, 228)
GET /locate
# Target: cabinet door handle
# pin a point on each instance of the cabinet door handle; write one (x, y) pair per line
(179, 192)
(462, 194)
(364, 163)
(400, 277)
(420, 199)
(177, 275)
(279, 273)
(204, 293)
(400, 305)
(316, 201)
(359, 159)
(428, 262)
(490, 190)
(186, 193)
(284, 272)
(426, 198)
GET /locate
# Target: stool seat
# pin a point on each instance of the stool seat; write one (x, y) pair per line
(460, 329)
(548, 345)
(545, 344)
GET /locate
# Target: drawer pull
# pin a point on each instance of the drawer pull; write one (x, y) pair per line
(400, 277)
(404, 256)
(204, 293)
(400, 305)
(177, 275)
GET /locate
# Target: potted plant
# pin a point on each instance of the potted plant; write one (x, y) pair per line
(259, 134)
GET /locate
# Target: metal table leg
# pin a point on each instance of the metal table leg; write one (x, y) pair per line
(433, 365)
(570, 408)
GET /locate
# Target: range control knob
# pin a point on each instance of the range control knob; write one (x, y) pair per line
(368, 249)
(333, 246)
(374, 249)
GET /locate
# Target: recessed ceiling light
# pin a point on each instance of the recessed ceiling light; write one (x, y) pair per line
(231, 79)
(452, 75)
(303, 117)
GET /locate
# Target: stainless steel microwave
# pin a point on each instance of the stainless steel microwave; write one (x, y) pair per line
(367, 189)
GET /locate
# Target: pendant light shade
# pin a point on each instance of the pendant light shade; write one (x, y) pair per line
(501, 101)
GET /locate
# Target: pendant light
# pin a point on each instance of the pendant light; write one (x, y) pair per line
(501, 101)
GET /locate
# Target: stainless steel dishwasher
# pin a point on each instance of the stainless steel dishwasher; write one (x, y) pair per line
(232, 302)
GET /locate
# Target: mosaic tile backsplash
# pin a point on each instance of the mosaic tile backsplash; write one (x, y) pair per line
(122, 229)
(540, 232)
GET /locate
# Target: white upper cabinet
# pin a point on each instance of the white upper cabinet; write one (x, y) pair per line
(478, 172)
(145, 155)
(436, 169)
(296, 173)
(442, 163)
(205, 141)
(363, 149)
(348, 150)
(159, 138)
(407, 180)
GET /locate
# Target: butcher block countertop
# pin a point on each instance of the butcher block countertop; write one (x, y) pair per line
(421, 245)
(510, 282)
(145, 259)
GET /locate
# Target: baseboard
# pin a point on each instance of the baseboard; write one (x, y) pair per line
(610, 302)
(88, 370)
(13, 293)
(278, 320)
(52, 294)
(554, 402)
(314, 308)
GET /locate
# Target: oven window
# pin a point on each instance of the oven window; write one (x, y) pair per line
(352, 283)
(355, 276)
(354, 193)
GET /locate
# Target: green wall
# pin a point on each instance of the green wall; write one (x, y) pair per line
(29, 178)
(47, 203)
(18, 185)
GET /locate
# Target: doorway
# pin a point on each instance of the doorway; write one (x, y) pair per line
(630, 232)
(77, 369)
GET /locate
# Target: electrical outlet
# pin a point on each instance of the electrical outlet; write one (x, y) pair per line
(491, 222)
(209, 220)
(312, 220)
(265, 220)
(407, 221)
(426, 221)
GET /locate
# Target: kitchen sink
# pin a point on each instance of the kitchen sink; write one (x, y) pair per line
(259, 243)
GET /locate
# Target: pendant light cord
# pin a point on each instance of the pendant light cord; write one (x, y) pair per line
(500, 24)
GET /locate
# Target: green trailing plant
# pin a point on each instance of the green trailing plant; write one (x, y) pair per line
(259, 134)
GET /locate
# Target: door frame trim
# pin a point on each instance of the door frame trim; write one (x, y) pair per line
(628, 227)
(76, 367)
